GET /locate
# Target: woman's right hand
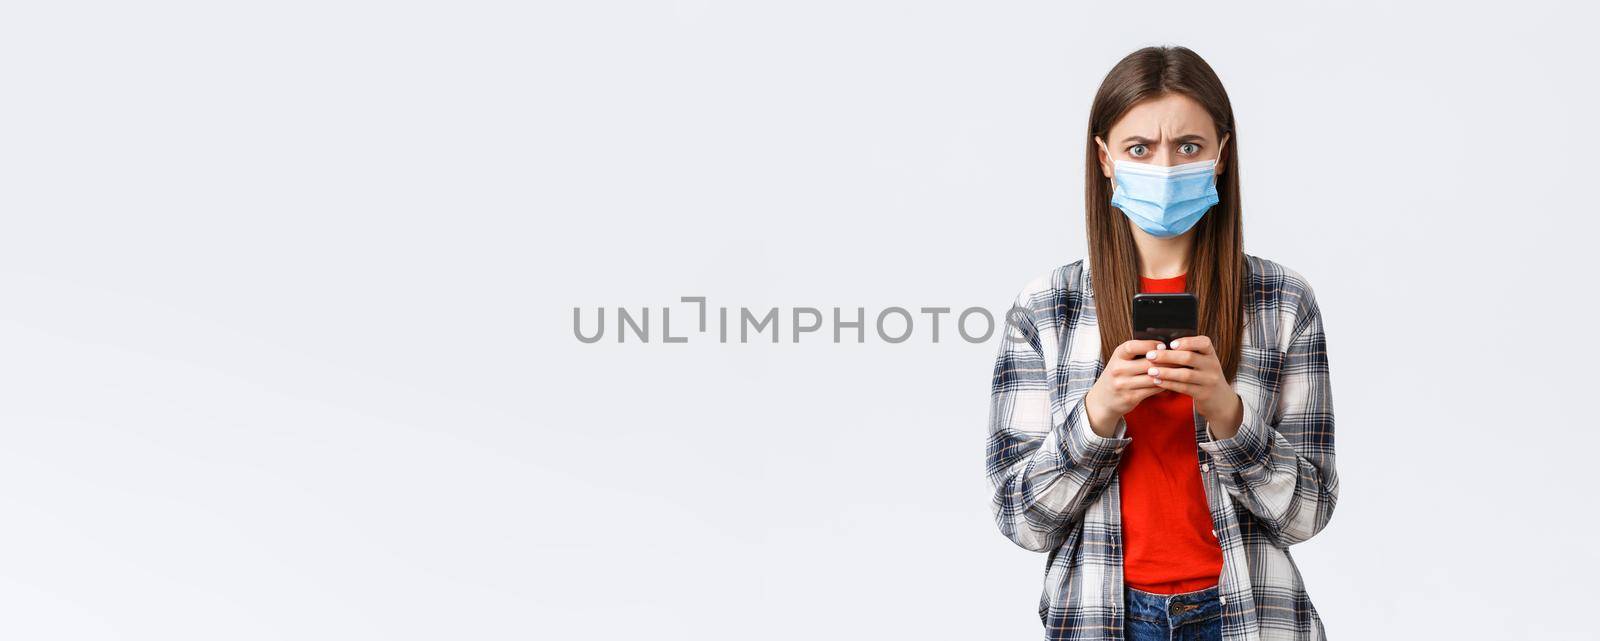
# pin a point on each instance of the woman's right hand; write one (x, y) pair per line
(1122, 384)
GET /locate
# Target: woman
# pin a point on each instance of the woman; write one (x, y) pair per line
(1166, 482)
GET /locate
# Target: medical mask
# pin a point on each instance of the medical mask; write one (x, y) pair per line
(1164, 201)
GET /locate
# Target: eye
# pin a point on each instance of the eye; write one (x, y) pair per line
(1188, 149)
(1138, 151)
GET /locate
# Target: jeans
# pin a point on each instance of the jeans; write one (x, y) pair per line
(1189, 616)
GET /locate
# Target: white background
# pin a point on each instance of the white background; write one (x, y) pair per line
(286, 297)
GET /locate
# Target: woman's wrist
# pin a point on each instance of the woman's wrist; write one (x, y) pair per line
(1103, 423)
(1226, 424)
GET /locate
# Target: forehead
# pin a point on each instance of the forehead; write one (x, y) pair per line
(1166, 116)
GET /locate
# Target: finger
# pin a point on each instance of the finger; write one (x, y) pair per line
(1196, 344)
(1179, 386)
(1135, 379)
(1173, 357)
(1135, 349)
(1131, 369)
(1147, 393)
(1180, 374)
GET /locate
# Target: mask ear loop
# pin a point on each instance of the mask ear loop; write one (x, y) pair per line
(1109, 161)
(1227, 137)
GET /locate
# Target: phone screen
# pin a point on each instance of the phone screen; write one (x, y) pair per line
(1164, 317)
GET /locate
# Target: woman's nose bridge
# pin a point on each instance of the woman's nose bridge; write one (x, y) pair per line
(1166, 156)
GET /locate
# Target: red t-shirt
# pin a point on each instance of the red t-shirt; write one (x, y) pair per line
(1166, 523)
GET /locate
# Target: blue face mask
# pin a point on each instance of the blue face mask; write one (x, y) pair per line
(1164, 201)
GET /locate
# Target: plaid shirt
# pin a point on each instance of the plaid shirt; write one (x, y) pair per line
(1269, 486)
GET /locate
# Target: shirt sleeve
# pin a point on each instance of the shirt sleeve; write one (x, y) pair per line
(1045, 464)
(1280, 464)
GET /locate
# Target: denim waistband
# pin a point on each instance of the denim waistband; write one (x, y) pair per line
(1174, 609)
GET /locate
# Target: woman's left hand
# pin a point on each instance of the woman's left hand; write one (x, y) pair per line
(1191, 367)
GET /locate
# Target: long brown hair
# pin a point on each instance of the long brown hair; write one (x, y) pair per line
(1217, 266)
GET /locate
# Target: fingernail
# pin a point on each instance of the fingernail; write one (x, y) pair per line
(1161, 345)
(1150, 354)
(1153, 371)
(1174, 344)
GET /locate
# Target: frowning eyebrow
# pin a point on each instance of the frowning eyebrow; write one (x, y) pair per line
(1145, 141)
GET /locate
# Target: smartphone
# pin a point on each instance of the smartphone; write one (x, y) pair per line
(1164, 317)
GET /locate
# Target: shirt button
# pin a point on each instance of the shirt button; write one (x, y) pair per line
(1205, 467)
(1223, 599)
(1213, 533)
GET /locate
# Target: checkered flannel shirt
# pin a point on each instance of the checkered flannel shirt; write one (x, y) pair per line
(1271, 485)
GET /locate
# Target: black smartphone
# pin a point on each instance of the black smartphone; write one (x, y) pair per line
(1164, 317)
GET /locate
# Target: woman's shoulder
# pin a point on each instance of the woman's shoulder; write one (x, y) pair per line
(1274, 273)
(1053, 283)
(1284, 292)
